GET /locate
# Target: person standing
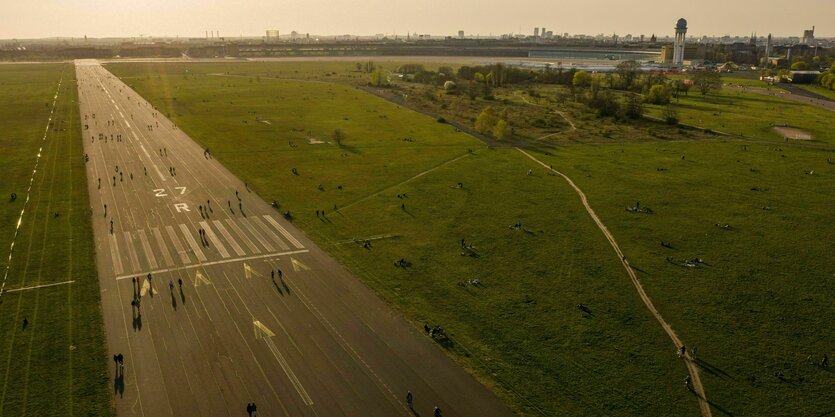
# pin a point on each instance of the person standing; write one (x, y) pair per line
(409, 399)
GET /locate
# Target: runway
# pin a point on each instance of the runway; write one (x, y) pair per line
(235, 304)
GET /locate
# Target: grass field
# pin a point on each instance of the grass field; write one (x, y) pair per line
(56, 365)
(521, 332)
(752, 115)
(830, 94)
(761, 302)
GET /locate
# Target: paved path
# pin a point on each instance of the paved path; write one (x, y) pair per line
(688, 360)
(313, 341)
(823, 103)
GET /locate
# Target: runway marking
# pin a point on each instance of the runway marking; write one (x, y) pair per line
(235, 246)
(134, 260)
(258, 237)
(270, 233)
(218, 244)
(224, 261)
(177, 245)
(114, 255)
(40, 286)
(181, 207)
(284, 232)
(265, 334)
(249, 272)
(244, 238)
(198, 278)
(193, 243)
(147, 247)
(298, 265)
(146, 288)
(162, 247)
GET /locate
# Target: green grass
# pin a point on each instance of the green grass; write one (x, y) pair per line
(752, 115)
(760, 304)
(818, 90)
(57, 365)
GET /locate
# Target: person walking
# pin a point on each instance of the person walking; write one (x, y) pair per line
(409, 399)
(437, 411)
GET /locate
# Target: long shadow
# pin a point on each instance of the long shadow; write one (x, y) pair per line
(173, 301)
(119, 383)
(182, 296)
(720, 409)
(284, 285)
(712, 369)
(277, 288)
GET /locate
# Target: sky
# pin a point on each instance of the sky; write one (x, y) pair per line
(23, 19)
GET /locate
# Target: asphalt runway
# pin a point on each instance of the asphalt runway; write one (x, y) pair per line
(312, 341)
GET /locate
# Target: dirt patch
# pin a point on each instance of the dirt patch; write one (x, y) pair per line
(314, 141)
(793, 133)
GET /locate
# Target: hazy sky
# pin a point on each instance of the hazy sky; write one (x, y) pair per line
(100, 18)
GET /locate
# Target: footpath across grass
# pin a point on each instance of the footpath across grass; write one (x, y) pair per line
(414, 188)
(55, 365)
(737, 255)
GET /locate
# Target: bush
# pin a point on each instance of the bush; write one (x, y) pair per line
(441, 120)
(658, 94)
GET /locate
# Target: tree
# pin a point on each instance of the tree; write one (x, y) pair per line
(604, 104)
(449, 85)
(581, 79)
(627, 72)
(378, 79)
(485, 121)
(800, 66)
(634, 106)
(501, 130)
(338, 135)
(706, 81)
(658, 94)
(670, 114)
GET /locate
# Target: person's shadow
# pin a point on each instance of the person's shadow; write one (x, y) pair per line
(182, 296)
(119, 383)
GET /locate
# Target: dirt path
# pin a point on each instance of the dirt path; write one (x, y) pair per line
(698, 389)
(792, 94)
(418, 175)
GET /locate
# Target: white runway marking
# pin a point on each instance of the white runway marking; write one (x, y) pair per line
(225, 261)
(114, 255)
(262, 332)
(244, 238)
(270, 233)
(134, 260)
(283, 231)
(215, 241)
(235, 246)
(258, 237)
(40, 286)
(162, 247)
(177, 245)
(147, 247)
(193, 243)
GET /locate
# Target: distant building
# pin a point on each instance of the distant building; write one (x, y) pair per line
(678, 46)
(535, 32)
(693, 54)
(803, 77)
(460, 34)
(809, 36)
(272, 35)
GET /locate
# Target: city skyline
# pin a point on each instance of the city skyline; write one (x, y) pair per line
(190, 18)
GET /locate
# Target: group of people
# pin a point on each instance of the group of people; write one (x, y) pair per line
(410, 401)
